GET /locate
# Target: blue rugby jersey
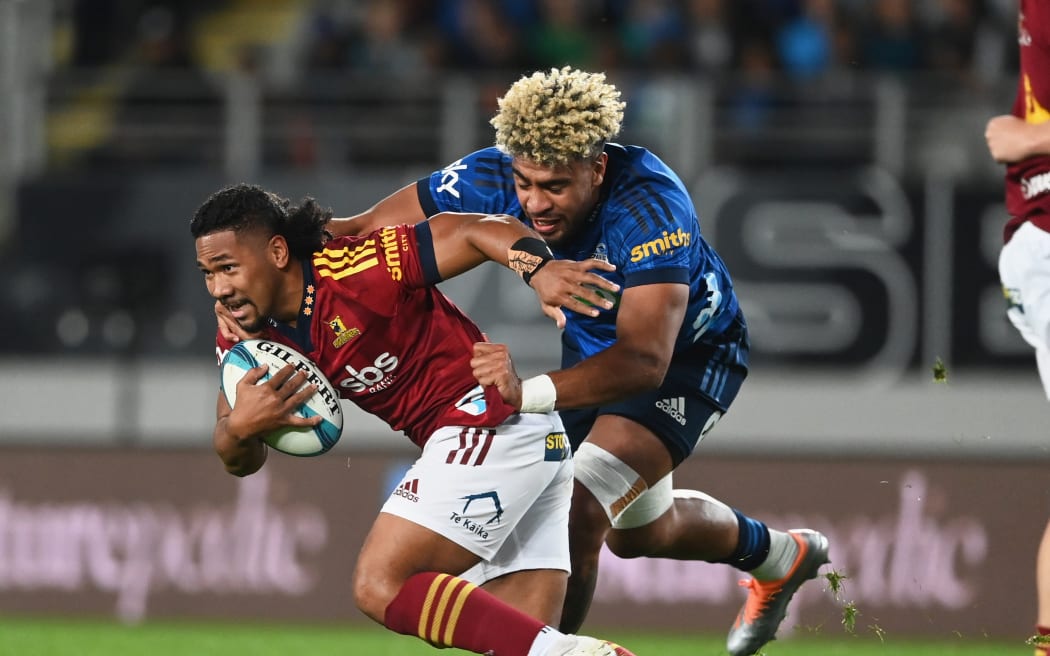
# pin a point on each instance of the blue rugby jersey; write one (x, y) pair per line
(645, 224)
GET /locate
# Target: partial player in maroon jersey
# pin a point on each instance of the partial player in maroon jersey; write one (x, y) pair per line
(1021, 140)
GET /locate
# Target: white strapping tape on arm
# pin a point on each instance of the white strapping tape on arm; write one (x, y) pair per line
(538, 394)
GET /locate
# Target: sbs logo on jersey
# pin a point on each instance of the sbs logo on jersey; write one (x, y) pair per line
(1035, 185)
(374, 378)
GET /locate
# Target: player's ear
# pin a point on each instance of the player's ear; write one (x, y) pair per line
(598, 168)
(277, 249)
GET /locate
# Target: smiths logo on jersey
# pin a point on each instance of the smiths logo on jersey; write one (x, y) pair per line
(664, 244)
(337, 263)
(392, 248)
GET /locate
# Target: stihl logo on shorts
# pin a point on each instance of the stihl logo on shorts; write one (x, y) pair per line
(556, 448)
(674, 407)
(409, 490)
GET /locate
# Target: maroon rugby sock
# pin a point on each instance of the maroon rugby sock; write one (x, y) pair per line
(447, 611)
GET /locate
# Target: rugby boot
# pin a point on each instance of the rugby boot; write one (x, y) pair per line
(767, 601)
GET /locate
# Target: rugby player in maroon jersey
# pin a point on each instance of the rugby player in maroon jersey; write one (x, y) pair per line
(471, 549)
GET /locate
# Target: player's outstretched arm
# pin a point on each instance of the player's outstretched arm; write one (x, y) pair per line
(398, 208)
(646, 328)
(463, 241)
(647, 325)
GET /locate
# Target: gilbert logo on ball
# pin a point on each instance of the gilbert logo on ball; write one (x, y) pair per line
(293, 440)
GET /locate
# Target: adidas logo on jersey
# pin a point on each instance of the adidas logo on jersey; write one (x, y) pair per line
(409, 490)
(674, 407)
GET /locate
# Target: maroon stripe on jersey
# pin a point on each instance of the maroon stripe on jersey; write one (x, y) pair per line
(489, 434)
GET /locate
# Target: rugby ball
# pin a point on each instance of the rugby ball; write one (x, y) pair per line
(293, 440)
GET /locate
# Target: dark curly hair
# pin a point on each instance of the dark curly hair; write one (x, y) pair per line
(245, 207)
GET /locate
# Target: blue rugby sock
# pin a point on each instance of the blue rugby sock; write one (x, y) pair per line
(752, 546)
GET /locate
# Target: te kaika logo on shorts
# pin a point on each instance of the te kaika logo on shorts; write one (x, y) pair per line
(674, 407)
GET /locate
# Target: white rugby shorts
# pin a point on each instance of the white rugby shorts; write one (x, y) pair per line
(1024, 270)
(501, 493)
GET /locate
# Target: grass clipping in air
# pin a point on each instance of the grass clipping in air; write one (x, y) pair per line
(940, 372)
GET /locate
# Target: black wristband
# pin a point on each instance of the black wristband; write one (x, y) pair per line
(527, 256)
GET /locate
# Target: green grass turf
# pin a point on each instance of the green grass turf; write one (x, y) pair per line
(22, 637)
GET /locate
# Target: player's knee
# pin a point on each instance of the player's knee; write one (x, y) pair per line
(373, 593)
(626, 548)
(635, 543)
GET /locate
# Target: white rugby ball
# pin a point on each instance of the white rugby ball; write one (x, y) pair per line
(294, 440)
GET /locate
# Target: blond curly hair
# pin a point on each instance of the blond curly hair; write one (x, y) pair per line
(554, 118)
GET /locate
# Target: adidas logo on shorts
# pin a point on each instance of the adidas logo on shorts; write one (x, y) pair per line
(674, 407)
(409, 490)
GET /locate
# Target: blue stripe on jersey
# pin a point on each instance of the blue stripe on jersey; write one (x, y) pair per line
(640, 203)
(489, 171)
(719, 367)
(714, 379)
(427, 260)
(654, 276)
(666, 214)
(631, 204)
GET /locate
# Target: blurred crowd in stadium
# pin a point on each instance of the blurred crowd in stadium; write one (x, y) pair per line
(759, 56)
(802, 38)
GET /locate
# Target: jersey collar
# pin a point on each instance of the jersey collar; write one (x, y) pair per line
(300, 334)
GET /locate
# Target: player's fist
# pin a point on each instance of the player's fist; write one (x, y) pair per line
(1010, 139)
(492, 366)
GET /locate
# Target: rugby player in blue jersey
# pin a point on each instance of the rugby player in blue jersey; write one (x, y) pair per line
(645, 375)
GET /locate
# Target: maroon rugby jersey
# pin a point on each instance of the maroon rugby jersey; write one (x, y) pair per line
(1028, 181)
(388, 339)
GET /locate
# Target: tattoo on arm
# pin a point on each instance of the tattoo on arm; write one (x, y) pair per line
(527, 256)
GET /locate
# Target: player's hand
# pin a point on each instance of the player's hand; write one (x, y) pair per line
(573, 286)
(1009, 138)
(228, 326)
(492, 366)
(263, 407)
